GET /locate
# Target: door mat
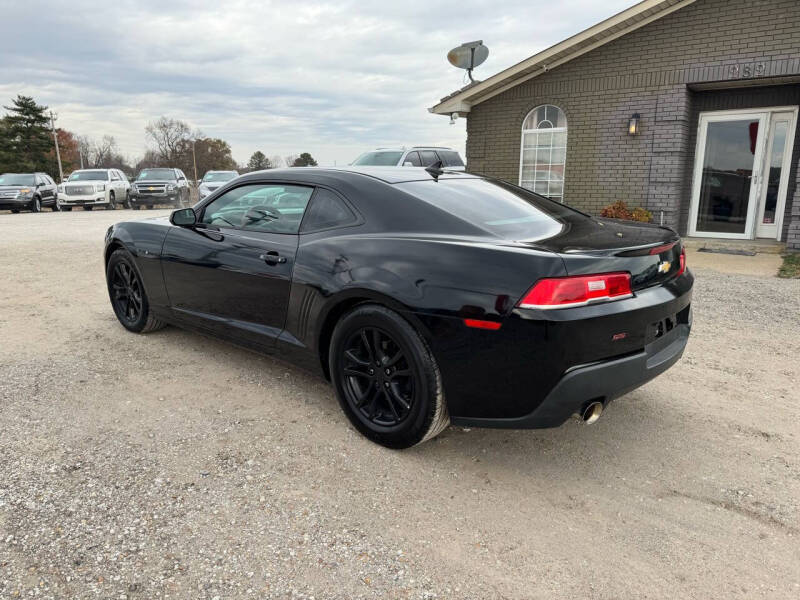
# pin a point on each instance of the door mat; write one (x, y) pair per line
(728, 251)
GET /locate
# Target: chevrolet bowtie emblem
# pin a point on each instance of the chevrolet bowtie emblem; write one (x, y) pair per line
(664, 267)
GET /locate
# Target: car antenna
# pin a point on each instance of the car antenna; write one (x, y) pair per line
(435, 169)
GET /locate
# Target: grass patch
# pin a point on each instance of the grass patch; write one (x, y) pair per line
(790, 269)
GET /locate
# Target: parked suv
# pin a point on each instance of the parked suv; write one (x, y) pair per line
(417, 156)
(160, 186)
(213, 180)
(94, 187)
(27, 191)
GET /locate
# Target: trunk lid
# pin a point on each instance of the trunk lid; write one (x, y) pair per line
(650, 253)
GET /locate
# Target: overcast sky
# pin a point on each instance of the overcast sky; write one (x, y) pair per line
(331, 78)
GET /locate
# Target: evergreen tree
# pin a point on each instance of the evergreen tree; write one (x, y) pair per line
(27, 140)
(258, 162)
(304, 160)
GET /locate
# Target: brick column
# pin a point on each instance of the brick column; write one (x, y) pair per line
(669, 171)
(793, 235)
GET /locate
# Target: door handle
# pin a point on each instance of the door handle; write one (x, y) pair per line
(273, 258)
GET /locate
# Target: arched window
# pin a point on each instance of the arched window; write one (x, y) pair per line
(544, 151)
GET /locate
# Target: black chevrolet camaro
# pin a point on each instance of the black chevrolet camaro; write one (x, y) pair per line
(426, 297)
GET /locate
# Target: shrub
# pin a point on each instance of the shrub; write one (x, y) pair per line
(619, 210)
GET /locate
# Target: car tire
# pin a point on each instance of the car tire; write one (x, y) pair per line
(36, 204)
(88, 207)
(56, 206)
(127, 294)
(127, 202)
(15, 211)
(149, 207)
(112, 202)
(136, 207)
(65, 209)
(386, 378)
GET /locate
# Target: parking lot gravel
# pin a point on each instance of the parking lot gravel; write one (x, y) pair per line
(171, 465)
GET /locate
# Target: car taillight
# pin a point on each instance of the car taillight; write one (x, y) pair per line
(565, 292)
(683, 262)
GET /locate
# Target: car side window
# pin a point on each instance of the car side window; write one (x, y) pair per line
(114, 176)
(40, 180)
(268, 207)
(413, 158)
(326, 210)
(428, 158)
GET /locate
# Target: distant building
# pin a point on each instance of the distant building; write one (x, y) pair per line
(685, 107)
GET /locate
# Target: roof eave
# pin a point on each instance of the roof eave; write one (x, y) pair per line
(556, 55)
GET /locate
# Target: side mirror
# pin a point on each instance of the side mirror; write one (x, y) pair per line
(183, 217)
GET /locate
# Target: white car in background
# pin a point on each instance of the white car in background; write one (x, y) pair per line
(416, 156)
(213, 180)
(88, 188)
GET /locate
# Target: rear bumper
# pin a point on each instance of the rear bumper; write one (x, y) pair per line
(602, 381)
(542, 366)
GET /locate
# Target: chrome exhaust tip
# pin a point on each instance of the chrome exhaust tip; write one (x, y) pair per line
(592, 412)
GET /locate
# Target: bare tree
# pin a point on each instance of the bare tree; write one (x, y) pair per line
(85, 148)
(290, 159)
(104, 152)
(169, 137)
(276, 161)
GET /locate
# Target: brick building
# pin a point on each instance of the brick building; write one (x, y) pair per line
(685, 107)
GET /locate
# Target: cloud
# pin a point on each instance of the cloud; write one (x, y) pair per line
(330, 78)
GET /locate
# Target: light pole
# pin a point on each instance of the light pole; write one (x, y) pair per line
(58, 152)
(194, 160)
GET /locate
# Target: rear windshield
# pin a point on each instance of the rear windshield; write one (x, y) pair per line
(89, 176)
(497, 207)
(379, 159)
(157, 174)
(16, 179)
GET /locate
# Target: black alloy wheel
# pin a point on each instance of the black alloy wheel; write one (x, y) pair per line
(127, 294)
(386, 378)
(378, 380)
(36, 204)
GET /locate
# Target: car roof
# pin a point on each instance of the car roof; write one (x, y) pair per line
(389, 175)
(409, 148)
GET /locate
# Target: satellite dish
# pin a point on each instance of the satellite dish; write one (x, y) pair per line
(468, 56)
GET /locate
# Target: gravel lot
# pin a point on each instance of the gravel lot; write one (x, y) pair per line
(175, 466)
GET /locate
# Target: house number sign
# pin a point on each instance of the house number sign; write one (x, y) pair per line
(746, 70)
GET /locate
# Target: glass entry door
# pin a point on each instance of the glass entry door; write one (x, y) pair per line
(727, 169)
(775, 180)
(741, 173)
